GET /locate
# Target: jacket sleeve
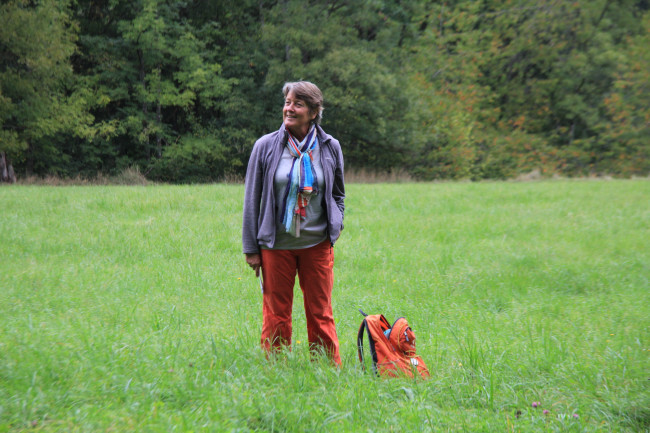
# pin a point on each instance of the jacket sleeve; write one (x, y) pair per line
(252, 198)
(338, 188)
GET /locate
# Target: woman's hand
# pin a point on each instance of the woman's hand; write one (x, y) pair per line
(255, 262)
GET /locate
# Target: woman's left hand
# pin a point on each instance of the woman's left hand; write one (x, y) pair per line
(255, 262)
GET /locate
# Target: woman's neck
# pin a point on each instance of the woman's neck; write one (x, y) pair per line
(301, 134)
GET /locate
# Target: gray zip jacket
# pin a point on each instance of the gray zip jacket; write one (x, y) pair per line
(260, 202)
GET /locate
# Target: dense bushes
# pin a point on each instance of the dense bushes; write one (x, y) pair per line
(480, 89)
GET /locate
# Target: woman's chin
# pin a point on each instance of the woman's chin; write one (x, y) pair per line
(296, 129)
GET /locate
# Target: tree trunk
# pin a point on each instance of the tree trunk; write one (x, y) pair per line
(4, 175)
(143, 81)
(6, 169)
(285, 15)
(159, 116)
(145, 109)
(29, 160)
(158, 136)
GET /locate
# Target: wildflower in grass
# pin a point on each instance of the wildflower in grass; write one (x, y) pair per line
(576, 416)
(537, 404)
(546, 412)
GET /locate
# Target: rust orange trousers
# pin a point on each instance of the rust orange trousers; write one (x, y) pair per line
(314, 267)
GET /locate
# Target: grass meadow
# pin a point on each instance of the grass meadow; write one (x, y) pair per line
(131, 309)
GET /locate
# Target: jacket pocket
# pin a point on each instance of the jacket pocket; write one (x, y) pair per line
(335, 220)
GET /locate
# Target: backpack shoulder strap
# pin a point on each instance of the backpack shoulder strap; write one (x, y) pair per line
(371, 344)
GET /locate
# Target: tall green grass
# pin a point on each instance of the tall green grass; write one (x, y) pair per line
(131, 309)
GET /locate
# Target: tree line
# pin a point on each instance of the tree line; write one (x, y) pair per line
(474, 89)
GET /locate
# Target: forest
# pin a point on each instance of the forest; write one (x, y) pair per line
(180, 90)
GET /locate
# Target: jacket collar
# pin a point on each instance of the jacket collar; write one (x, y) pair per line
(323, 137)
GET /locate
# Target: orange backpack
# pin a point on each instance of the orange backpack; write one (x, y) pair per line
(392, 347)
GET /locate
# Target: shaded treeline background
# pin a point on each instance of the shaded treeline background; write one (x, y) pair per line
(439, 90)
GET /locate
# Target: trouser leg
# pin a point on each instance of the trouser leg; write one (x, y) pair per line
(279, 272)
(316, 275)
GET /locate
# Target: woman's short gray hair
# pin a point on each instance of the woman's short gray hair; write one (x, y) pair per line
(308, 92)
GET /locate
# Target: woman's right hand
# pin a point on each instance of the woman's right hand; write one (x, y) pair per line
(255, 262)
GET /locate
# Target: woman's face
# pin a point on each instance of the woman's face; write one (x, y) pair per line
(296, 115)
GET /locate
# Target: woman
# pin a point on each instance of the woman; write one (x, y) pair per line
(293, 215)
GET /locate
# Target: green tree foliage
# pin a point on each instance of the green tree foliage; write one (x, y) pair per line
(337, 46)
(152, 75)
(467, 89)
(37, 96)
(517, 86)
(624, 129)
